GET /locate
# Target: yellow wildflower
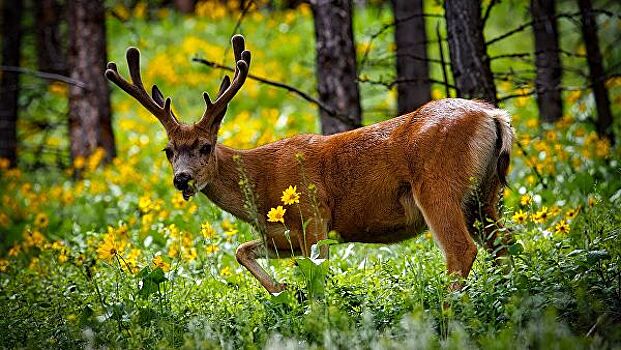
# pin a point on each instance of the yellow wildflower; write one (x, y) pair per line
(526, 200)
(4, 163)
(190, 254)
(110, 247)
(58, 245)
(207, 231)
(562, 227)
(33, 239)
(34, 263)
(173, 250)
(520, 217)
(14, 250)
(572, 213)
(174, 231)
(63, 257)
(4, 220)
(4, 265)
(159, 262)
(276, 214)
(145, 204)
(212, 248)
(79, 162)
(227, 225)
(290, 195)
(541, 216)
(226, 271)
(178, 201)
(602, 148)
(554, 211)
(41, 220)
(80, 259)
(132, 259)
(147, 220)
(592, 201)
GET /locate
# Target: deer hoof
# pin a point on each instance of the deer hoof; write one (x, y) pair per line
(278, 288)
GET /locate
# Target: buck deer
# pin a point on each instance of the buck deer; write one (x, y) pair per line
(441, 166)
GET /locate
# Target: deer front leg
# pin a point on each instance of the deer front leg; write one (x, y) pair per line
(247, 255)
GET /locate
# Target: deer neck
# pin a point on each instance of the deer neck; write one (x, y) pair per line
(224, 190)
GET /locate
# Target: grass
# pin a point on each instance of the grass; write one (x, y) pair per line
(116, 259)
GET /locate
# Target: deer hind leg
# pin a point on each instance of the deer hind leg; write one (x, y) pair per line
(445, 218)
(247, 255)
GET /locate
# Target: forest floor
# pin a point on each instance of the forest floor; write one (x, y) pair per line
(117, 259)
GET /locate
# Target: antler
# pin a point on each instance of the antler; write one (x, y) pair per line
(215, 111)
(156, 104)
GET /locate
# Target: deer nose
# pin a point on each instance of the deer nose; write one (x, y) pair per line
(181, 180)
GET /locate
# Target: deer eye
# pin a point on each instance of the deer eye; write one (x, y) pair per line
(205, 149)
(169, 153)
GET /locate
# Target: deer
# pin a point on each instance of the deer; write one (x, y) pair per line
(441, 167)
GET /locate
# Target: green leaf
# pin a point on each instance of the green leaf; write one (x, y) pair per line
(146, 315)
(151, 282)
(516, 249)
(86, 316)
(315, 276)
(595, 256)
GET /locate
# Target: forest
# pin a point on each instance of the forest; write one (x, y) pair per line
(100, 248)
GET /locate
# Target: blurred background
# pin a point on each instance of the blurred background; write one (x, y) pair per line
(390, 59)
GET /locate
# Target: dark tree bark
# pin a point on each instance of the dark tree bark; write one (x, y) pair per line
(336, 65)
(412, 66)
(596, 70)
(547, 61)
(9, 81)
(90, 125)
(51, 53)
(469, 60)
(185, 6)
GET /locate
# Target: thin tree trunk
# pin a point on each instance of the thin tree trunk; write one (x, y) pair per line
(336, 65)
(412, 66)
(51, 54)
(9, 81)
(185, 6)
(547, 61)
(596, 69)
(469, 60)
(90, 124)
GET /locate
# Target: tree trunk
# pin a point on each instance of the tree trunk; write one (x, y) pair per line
(51, 54)
(547, 61)
(412, 66)
(185, 6)
(9, 81)
(596, 70)
(90, 125)
(336, 65)
(469, 61)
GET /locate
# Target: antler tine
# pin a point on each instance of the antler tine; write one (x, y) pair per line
(158, 97)
(215, 111)
(133, 63)
(238, 46)
(160, 109)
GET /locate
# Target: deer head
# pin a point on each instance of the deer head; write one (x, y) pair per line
(191, 148)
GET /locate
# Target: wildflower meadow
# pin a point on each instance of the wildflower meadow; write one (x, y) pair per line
(98, 255)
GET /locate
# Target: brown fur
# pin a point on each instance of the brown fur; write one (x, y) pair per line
(440, 167)
(382, 183)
